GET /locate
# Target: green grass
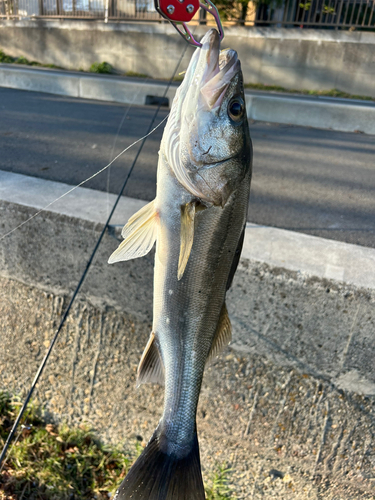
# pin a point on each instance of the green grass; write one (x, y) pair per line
(49, 462)
(103, 68)
(4, 58)
(218, 488)
(56, 463)
(327, 93)
(136, 75)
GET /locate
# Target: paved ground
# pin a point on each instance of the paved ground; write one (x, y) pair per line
(308, 180)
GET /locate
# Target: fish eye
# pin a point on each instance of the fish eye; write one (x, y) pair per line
(236, 109)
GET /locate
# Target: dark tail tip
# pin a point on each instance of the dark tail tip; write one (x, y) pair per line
(158, 476)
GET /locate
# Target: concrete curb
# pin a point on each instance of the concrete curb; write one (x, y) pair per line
(331, 114)
(85, 86)
(328, 113)
(310, 255)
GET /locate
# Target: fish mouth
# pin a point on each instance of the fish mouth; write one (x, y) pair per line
(209, 73)
(220, 67)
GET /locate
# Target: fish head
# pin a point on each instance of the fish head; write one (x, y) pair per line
(207, 142)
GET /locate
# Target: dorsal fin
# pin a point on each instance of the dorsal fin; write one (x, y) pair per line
(186, 236)
(150, 368)
(139, 235)
(223, 334)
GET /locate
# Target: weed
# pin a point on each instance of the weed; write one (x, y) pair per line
(139, 448)
(178, 78)
(52, 66)
(102, 67)
(4, 58)
(106, 68)
(52, 463)
(218, 488)
(135, 74)
(22, 60)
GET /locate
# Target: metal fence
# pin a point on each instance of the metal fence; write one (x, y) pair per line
(330, 14)
(343, 14)
(94, 9)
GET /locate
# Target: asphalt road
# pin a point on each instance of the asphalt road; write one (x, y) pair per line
(308, 180)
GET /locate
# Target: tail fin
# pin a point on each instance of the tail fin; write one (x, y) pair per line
(158, 476)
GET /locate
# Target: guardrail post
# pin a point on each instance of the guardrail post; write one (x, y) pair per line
(339, 15)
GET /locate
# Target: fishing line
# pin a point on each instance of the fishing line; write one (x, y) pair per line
(54, 339)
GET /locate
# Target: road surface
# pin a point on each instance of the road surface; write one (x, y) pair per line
(308, 180)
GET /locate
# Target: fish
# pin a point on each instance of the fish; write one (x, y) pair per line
(197, 220)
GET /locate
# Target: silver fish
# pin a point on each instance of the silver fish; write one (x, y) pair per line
(197, 220)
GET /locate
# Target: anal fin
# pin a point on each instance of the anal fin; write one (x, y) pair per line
(139, 235)
(150, 368)
(223, 334)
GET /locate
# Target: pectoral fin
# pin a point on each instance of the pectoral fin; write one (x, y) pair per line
(150, 369)
(223, 334)
(139, 235)
(186, 235)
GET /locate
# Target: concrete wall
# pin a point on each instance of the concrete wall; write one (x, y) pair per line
(292, 58)
(275, 399)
